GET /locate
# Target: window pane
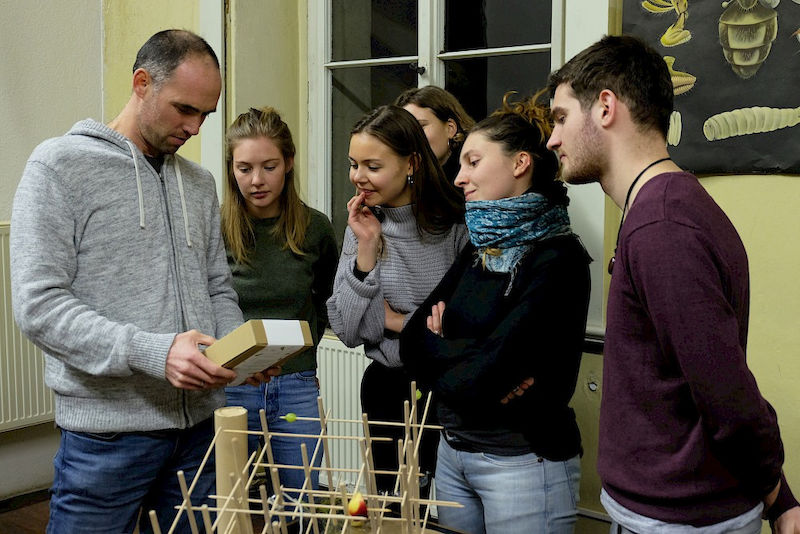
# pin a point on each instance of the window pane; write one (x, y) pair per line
(366, 29)
(480, 83)
(472, 24)
(355, 92)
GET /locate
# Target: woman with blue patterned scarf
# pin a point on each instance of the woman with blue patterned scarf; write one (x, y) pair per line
(499, 340)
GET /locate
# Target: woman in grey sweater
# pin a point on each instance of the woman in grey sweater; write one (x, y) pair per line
(405, 229)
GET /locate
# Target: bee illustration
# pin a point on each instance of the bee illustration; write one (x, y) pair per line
(747, 29)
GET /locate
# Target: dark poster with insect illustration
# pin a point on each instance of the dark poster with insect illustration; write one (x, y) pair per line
(736, 73)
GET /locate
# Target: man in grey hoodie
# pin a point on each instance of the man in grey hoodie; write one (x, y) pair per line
(119, 273)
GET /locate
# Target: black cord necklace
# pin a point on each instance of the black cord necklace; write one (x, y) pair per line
(625, 209)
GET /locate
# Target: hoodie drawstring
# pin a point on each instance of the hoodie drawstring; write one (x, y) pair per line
(183, 201)
(138, 183)
(177, 168)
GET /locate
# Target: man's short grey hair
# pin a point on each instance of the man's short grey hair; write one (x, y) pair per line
(167, 49)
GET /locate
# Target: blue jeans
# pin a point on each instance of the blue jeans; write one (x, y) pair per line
(290, 393)
(102, 480)
(506, 494)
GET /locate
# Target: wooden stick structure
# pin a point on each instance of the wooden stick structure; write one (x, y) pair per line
(315, 511)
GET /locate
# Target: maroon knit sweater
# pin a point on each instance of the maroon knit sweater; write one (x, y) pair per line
(685, 435)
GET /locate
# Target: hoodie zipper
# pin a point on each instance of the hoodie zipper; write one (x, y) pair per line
(174, 269)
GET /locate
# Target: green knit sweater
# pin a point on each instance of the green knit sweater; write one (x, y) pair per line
(278, 284)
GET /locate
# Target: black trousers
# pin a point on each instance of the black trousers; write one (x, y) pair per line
(383, 392)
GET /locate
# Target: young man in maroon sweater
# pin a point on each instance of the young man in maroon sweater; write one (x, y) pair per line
(686, 439)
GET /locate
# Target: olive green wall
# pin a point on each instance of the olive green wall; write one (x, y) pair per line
(764, 212)
(51, 78)
(50, 69)
(127, 25)
(267, 66)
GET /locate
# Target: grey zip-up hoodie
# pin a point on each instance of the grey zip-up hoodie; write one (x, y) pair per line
(109, 261)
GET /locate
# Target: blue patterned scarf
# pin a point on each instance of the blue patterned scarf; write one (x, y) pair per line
(504, 230)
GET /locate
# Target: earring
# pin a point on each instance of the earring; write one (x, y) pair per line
(410, 179)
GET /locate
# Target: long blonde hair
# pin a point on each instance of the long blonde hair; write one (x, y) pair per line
(237, 223)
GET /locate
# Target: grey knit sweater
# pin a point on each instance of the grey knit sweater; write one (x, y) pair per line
(409, 269)
(109, 260)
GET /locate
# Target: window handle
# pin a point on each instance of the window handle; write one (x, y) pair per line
(415, 67)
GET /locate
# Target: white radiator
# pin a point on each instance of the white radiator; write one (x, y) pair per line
(340, 370)
(24, 398)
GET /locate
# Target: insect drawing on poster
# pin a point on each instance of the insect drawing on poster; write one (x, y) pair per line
(732, 65)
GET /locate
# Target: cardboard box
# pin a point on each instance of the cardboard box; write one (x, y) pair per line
(258, 344)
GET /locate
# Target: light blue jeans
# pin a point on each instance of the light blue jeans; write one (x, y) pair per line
(506, 494)
(101, 480)
(290, 393)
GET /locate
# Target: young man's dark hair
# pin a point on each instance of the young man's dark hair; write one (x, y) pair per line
(634, 71)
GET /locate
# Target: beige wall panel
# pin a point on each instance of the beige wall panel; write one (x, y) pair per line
(51, 78)
(127, 25)
(266, 65)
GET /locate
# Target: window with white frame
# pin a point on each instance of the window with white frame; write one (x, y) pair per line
(364, 53)
(370, 51)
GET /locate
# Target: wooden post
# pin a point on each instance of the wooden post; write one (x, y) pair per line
(229, 451)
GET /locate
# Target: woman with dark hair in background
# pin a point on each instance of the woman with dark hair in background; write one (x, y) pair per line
(283, 258)
(405, 228)
(499, 340)
(444, 121)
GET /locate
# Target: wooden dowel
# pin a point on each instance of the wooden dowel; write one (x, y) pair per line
(357, 422)
(412, 420)
(277, 508)
(326, 456)
(343, 493)
(245, 526)
(307, 485)
(187, 503)
(206, 515)
(425, 419)
(154, 522)
(370, 484)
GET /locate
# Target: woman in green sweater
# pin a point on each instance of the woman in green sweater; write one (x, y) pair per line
(283, 257)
